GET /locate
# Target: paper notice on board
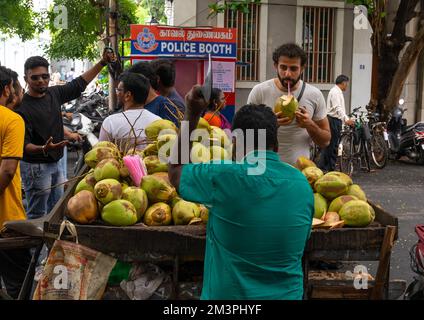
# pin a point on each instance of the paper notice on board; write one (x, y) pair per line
(223, 75)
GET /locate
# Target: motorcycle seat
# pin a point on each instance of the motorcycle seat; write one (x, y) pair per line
(32, 228)
(418, 126)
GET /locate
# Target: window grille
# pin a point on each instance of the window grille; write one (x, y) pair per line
(318, 43)
(247, 25)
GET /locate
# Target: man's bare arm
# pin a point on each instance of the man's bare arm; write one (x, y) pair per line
(36, 149)
(195, 105)
(7, 172)
(319, 131)
(90, 74)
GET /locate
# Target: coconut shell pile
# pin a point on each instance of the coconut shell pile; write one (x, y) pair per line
(338, 201)
(108, 193)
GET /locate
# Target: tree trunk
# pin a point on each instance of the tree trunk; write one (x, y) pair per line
(113, 34)
(402, 72)
(390, 49)
(374, 79)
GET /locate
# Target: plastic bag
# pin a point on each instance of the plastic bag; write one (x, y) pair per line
(73, 271)
(143, 281)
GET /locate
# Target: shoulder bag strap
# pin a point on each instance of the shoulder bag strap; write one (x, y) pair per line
(301, 91)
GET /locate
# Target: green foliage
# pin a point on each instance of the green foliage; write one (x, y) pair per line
(142, 15)
(371, 5)
(242, 6)
(86, 27)
(127, 15)
(103, 79)
(78, 40)
(156, 9)
(368, 3)
(18, 18)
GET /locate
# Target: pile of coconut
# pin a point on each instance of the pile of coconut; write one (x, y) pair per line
(112, 194)
(338, 201)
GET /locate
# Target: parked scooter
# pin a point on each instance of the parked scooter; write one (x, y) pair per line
(85, 127)
(93, 105)
(415, 290)
(405, 140)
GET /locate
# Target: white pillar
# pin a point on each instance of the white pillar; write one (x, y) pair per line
(169, 12)
(362, 59)
(185, 12)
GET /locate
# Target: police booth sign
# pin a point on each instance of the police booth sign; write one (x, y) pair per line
(189, 49)
(189, 42)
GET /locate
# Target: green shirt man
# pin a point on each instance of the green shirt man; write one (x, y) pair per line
(260, 213)
(257, 229)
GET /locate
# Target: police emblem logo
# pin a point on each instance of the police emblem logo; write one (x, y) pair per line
(146, 41)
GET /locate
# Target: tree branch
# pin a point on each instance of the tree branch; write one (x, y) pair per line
(99, 4)
(413, 15)
(408, 59)
(404, 11)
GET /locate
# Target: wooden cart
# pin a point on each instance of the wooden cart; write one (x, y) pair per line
(23, 242)
(373, 243)
(170, 245)
(176, 244)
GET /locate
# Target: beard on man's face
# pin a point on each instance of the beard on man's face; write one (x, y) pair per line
(285, 81)
(39, 89)
(42, 89)
(120, 104)
(10, 99)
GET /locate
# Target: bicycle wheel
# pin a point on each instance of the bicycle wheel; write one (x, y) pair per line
(312, 150)
(315, 153)
(346, 154)
(367, 154)
(379, 151)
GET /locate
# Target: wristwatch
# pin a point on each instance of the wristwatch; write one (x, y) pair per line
(43, 148)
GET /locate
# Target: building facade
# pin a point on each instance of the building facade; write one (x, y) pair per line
(335, 35)
(323, 28)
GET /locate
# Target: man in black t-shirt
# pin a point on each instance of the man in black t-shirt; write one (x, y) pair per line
(44, 133)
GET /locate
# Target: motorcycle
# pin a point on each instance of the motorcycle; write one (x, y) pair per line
(85, 127)
(94, 106)
(405, 140)
(415, 290)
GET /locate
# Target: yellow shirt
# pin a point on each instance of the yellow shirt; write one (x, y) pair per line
(12, 132)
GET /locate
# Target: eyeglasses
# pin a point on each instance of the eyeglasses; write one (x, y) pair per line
(44, 76)
(117, 90)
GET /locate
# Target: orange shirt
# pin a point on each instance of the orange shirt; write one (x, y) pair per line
(12, 132)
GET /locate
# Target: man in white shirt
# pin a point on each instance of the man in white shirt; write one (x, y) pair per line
(55, 80)
(310, 123)
(127, 128)
(70, 75)
(336, 113)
